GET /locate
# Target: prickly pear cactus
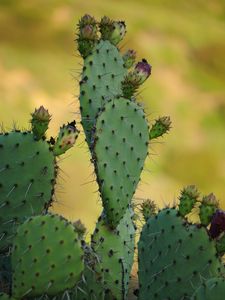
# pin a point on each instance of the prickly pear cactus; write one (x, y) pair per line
(174, 256)
(212, 289)
(118, 136)
(120, 150)
(28, 174)
(47, 257)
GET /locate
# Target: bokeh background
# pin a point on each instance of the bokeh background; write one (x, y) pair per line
(185, 43)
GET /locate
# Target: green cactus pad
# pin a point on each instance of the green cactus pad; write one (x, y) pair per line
(47, 257)
(27, 179)
(115, 249)
(174, 256)
(103, 72)
(120, 150)
(212, 289)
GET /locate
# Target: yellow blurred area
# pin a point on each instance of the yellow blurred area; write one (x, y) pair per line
(185, 43)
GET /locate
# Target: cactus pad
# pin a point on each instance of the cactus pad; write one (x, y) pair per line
(174, 256)
(115, 249)
(103, 72)
(27, 169)
(46, 258)
(120, 150)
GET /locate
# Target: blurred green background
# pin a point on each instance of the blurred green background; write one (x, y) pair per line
(185, 43)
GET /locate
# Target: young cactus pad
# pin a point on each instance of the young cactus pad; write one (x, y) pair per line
(47, 257)
(174, 257)
(115, 249)
(120, 150)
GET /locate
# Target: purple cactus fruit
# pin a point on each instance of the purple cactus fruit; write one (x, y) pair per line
(135, 78)
(217, 224)
(143, 70)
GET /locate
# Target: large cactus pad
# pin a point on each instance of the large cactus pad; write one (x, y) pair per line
(174, 257)
(47, 257)
(27, 169)
(120, 150)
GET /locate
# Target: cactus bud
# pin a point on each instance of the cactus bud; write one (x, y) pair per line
(135, 78)
(142, 70)
(148, 209)
(207, 208)
(129, 58)
(114, 31)
(40, 120)
(188, 197)
(88, 32)
(161, 126)
(80, 228)
(217, 224)
(86, 20)
(87, 35)
(66, 138)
